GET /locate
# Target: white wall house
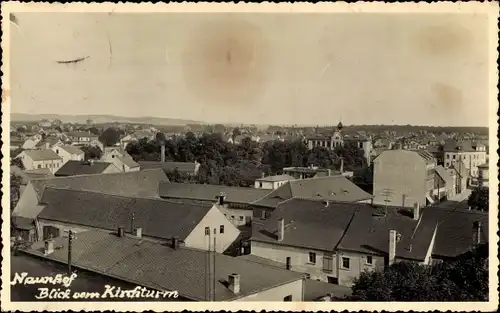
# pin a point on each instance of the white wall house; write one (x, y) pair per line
(68, 152)
(38, 159)
(272, 182)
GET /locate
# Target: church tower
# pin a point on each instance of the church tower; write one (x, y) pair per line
(337, 137)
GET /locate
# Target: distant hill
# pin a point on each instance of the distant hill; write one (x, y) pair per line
(82, 119)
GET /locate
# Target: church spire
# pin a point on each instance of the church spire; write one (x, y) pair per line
(339, 125)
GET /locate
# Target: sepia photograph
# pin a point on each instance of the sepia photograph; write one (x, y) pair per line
(333, 156)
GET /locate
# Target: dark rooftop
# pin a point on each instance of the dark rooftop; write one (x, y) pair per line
(73, 168)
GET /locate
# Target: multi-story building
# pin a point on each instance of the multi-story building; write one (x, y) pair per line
(403, 178)
(38, 159)
(338, 139)
(472, 154)
(483, 175)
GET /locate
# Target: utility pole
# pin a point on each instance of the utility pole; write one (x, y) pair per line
(215, 255)
(387, 193)
(132, 220)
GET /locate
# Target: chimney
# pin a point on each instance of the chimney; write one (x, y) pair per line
(329, 172)
(416, 211)
(263, 175)
(263, 214)
(49, 247)
(288, 263)
(175, 243)
(162, 152)
(281, 229)
(138, 232)
(476, 233)
(121, 232)
(220, 199)
(234, 283)
(392, 246)
(341, 165)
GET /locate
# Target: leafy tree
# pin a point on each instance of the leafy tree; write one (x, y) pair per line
(94, 130)
(91, 153)
(465, 279)
(15, 190)
(160, 138)
(322, 157)
(353, 156)
(21, 129)
(17, 162)
(479, 199)
(110, 137)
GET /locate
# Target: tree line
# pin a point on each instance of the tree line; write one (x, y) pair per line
(224, 163)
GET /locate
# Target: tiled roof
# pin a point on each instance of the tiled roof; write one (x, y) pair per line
(308, 224)
(150, 265)
(48, 140)
(157, 217)
(274, 198)
(441, 171)
(72, 168)
(71, 149)
(80, 134)
(128, 161)
(333, 188)
(315, 290)
(23, 223)
(426, 155)
(42, 155)
(369, 233)
(463, 146)
(138, 184)
(276, 178)
(168, 166)
(455, 231)
(210, 192)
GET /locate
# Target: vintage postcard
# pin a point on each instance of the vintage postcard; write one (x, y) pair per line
(278, 157)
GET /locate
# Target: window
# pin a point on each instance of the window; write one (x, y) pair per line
(39, 166)
(57, 151)
(288, 298)
(308, 276)
(242, 218)
(332, 280)
(328, 263)
(345, 263)
(447, 156)
(221, 229)
(312, 257)
(207, 231)
(369, 259)
(454, 156)
(260, 184)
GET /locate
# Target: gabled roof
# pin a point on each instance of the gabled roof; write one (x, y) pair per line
(169, 166)
(42, 155)
(80, 134)
(150, 264)
(369, 233)
(72, 168)
(48, 140)
(308, 224)
(275, 178)
(128, 161)
(454, 146)
(455, 229)
(71, 149)
(157, 217)
(333, 188)
(441, 171)
(140, 184)
(241, 195)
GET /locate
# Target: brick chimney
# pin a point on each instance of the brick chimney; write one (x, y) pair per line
(138, 232)
(162, 154)
(175, 243)
(392, 246)
(416, 211)
(49, 247)
(234, 283)
(281, 229)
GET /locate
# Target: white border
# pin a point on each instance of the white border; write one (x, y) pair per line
(490, 8)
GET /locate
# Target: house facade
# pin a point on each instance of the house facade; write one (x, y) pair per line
(403, 178)
(272, 182)
(483, 175)
(68, 152)
(471, 154)
(80, 137)
(38, 159)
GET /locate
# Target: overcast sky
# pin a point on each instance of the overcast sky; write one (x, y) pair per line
(429, 69)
